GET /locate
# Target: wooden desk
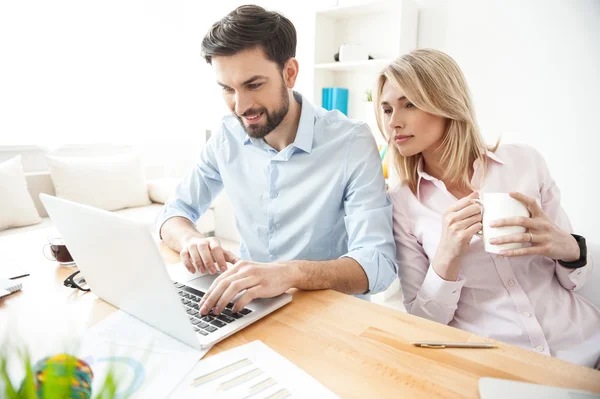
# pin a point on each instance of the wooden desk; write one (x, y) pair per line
(353, 347)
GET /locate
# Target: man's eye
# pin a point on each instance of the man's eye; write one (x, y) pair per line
(254, 86)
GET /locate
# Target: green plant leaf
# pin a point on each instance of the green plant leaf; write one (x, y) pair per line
(109, 387)
(27, 389)
(9, 390)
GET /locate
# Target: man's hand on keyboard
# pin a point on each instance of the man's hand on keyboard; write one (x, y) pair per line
(205, 254)
(259, 280)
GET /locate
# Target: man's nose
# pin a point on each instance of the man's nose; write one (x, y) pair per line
(243, 103)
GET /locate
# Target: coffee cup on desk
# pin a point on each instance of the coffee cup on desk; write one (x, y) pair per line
(56, 250)
(500, 206)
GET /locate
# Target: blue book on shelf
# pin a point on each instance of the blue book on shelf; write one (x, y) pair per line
(335, 98)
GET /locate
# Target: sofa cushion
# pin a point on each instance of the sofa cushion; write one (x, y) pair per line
(160, 190)
(16, 206)
(45, 224)
(144, 214)
(111, 183)
(148, 215)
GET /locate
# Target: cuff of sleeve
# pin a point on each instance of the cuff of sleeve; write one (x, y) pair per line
(163, 218)
(379, 275)
(437, 289)
(572, 279)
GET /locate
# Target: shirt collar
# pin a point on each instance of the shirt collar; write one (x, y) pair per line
(306, 127)
(421, 171)
(494, 157)
(424, 175)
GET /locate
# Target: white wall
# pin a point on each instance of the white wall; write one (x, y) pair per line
(534, 70)
(118, 72)
(130, 71)
(83, 71)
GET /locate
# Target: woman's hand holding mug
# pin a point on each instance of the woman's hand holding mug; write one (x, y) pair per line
(460, 223)
(545, 236)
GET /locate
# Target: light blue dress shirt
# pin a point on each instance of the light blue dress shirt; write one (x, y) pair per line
(322, 197)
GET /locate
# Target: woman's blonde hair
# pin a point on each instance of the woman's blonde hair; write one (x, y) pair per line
(434, 83)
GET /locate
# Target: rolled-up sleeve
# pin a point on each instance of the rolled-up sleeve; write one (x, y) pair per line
(198, 189)
(368, 210)
(571, 279)
(425, 293)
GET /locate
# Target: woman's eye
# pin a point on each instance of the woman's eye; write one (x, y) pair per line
(410, 105)
(387, 111)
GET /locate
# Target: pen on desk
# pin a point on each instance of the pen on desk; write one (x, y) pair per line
(442, 345)
(19, 276)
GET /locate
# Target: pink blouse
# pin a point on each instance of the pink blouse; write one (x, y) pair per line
(526, 301)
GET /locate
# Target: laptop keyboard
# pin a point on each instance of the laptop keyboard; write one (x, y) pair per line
(204, 325)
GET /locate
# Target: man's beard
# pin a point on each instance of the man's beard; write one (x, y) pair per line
(273, 119)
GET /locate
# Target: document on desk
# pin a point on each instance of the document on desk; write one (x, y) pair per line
(250, 371)
(147, 362)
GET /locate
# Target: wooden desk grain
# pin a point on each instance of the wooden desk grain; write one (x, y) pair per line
(353, 347)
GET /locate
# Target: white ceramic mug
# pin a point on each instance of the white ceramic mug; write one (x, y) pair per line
(500, 206)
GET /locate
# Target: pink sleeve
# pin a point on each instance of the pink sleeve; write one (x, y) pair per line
(571, 279)
(425, 293)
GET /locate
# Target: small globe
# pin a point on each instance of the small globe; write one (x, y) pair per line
(60, 372)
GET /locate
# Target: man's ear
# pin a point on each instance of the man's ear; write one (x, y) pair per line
(290, 72)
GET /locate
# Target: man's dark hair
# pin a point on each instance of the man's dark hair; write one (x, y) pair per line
(249, 27)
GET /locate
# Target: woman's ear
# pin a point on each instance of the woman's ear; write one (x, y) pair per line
(290, 72)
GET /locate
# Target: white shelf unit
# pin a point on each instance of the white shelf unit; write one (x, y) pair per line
(387, 28)
(354, 65)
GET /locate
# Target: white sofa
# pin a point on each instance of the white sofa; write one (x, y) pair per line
(39, 181)
(42, 183)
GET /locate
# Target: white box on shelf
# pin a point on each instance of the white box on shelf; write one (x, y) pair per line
(353, 52)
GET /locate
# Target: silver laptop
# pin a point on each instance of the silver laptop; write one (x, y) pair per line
(122, 265)
(496, 388)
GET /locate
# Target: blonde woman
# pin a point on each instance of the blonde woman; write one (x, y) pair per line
(523, 297)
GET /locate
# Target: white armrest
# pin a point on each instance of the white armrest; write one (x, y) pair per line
(160, 190)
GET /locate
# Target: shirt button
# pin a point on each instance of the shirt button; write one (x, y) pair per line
(273, 256)
(272, 228)
(274, 194)
(527, 314)
(511, 282)
(539, 348)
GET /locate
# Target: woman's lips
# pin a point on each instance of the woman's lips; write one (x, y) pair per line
(401, 138)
